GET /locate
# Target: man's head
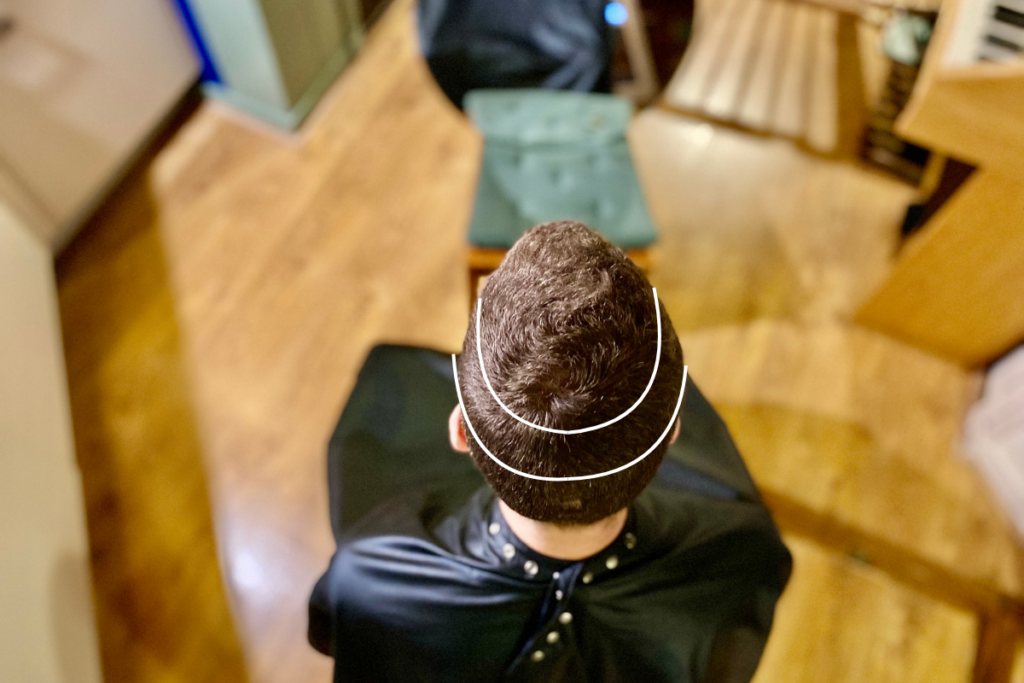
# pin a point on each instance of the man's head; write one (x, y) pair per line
(569, 336)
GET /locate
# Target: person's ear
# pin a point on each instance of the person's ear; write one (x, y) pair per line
(675, 433)
(456, 431)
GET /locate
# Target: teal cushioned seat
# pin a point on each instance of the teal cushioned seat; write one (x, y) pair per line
(553, 155)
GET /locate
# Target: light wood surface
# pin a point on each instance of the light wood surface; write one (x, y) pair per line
(958, 288)
(217, 311)
(856, 416)
(1018, 665)
(980, 102)
(765, 255)
(848, 622)
(842, 473)
(235, 243)
(983, 104)
(703, 56)
(823, 114)
(160, 604)
(790, 110)
(289, 262)
(755, 109)
(739, 47)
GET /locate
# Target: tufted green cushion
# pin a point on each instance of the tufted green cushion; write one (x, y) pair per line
(529, 116)
(553, 155)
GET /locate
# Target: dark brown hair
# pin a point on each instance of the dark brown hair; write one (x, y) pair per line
(569, 336)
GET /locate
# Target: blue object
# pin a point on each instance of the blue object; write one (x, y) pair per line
(209, 71)
(615, 13)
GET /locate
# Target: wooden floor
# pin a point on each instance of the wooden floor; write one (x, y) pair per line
(216, 311)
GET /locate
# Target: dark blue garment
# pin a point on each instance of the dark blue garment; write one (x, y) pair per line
(559, 44)
(430, 584)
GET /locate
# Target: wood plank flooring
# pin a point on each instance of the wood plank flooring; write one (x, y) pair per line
(846, 621)
(216, 311)
(160, 603)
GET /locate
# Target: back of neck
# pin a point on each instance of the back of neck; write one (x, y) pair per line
(565, 542)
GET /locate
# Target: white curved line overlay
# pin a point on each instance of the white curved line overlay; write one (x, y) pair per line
(487, 381)
(582, 477)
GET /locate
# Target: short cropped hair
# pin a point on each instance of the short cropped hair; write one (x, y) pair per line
(569, 337)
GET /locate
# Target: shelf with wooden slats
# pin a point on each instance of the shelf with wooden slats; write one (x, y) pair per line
(767, 66)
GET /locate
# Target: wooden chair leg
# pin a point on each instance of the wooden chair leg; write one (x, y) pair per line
(481, 261)
(474, 279)
(638, 52)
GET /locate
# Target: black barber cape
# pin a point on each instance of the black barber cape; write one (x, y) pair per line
(429, 583)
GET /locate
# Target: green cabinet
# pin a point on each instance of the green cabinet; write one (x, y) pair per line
(275, 58)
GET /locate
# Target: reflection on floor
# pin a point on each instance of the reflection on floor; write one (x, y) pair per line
(857, 624)
(215, 314)
(161, 607)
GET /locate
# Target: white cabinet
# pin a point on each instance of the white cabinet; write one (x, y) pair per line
(48, 632)
(83, 83)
